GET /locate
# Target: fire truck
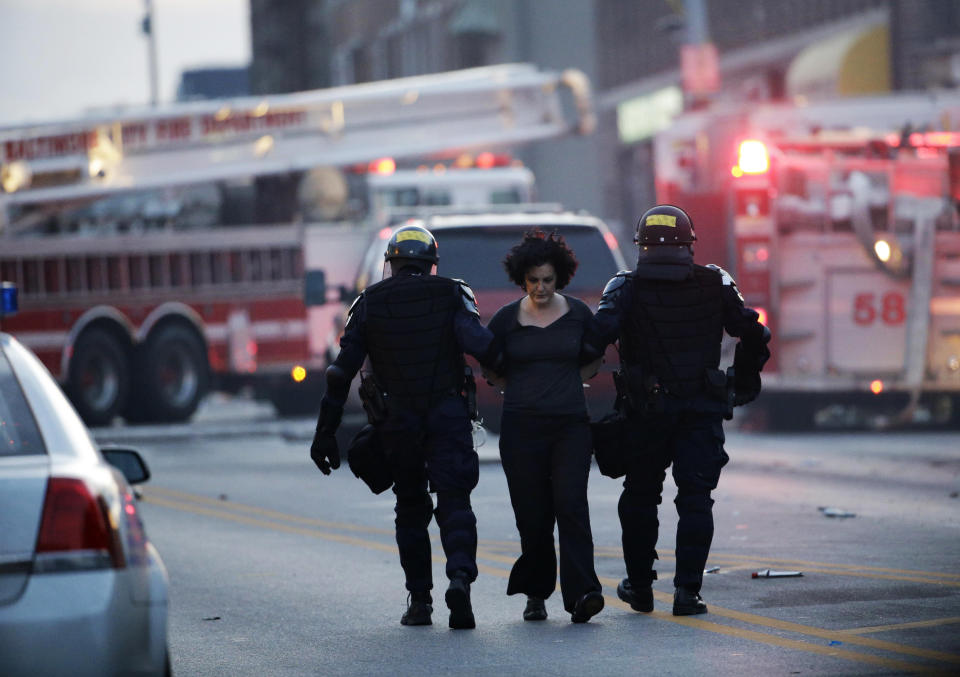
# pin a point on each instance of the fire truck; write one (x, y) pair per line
(840, 224)
(140, 290)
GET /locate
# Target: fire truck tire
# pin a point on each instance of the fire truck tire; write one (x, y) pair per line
(172, 375)
(98, 379)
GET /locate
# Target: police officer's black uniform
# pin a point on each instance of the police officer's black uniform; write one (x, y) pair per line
(669, 316)
(415, 327)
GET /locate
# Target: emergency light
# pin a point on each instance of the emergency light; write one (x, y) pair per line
(8, 299)
(753, 157)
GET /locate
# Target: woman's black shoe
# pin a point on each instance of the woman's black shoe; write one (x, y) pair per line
(686, 603)
(536, 610)
(587, 607)
(639, 599)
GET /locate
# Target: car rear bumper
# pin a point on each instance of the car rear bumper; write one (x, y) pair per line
(86, 623)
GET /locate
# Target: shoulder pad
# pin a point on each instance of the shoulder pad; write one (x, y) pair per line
(726, 279)
(468, 298)
(613, 289)
(353, 307)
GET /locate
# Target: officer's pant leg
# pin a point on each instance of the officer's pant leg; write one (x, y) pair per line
(414, 507)
(696, 470)
(525, 458)
(453, 468)
(642, 489)
(569, 471)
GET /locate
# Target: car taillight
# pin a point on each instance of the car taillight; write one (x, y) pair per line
(77, 531)
(136, 536)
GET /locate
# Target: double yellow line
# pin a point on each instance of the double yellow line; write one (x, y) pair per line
(491, 551)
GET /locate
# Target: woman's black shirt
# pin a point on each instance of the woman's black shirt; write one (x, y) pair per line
(542, 364)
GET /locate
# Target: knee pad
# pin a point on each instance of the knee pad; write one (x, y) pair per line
(414, 509)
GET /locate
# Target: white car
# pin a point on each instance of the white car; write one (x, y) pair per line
(82, 590)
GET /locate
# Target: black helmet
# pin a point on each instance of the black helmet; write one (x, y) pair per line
(664, 224)
(412, 242)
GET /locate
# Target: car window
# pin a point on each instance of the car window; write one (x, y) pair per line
(476, 255)
(19, 435)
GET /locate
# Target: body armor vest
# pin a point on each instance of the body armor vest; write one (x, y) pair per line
(673, 330)
(411, 341)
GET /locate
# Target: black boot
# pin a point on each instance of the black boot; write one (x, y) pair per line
(458, 601)
(640, 598)
(419, 608)
(536, 610)
(687, 603)
(587, 607)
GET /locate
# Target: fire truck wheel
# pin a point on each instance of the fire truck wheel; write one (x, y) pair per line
(99, 377)
(172, 375)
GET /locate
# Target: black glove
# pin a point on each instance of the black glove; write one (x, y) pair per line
(325, 452)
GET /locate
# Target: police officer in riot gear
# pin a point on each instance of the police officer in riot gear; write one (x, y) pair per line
(415, 328)
(669, 316)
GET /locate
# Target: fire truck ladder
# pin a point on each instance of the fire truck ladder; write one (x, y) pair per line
(184, 143)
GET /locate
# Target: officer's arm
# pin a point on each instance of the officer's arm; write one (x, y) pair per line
(605, 328)
(341, 371)
(472, 337)
(751, 352)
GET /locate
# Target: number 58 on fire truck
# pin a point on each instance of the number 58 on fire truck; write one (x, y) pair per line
(840, 225)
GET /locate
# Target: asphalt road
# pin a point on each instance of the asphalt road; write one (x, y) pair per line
(278, 570)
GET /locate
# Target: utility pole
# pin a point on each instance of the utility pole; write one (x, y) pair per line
(699, 62)
(147, 27)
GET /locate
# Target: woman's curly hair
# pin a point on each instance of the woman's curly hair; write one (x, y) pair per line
(536, 249)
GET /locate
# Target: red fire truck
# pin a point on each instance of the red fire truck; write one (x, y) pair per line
(840, 224)
(137, 289)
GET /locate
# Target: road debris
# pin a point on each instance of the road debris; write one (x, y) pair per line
(769, 573)
(712, 570)
(836, 512)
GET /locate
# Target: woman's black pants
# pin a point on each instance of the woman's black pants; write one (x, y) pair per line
(547, 461)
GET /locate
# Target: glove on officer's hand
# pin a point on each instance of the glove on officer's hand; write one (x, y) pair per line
(742, 397)
(325, 452)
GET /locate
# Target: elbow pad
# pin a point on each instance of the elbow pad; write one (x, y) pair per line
(613, 290)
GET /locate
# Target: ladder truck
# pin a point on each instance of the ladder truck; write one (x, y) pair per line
(141, 291)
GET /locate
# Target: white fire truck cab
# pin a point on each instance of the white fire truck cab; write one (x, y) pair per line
(840, 225)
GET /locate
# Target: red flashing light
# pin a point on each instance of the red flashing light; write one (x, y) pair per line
(763, 254)
(762, 312)
(74, 520)
(752, 157)
(486, 160)
(876, 387)
(384, 165)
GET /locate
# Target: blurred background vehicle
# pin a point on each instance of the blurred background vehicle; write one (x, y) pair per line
(164, 253)
(472, 247)
(82, 589)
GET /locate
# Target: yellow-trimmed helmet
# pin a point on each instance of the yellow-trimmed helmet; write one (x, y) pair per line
(664, 224)
(412, 242)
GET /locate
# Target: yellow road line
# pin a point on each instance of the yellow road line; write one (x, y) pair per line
(750, 560)
(223, 512)
(903, 626)
(271, 514)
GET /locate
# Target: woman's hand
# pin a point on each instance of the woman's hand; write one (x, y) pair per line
(588, 371)
(493, 378)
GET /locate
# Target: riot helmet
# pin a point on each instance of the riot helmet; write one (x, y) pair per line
(664, 225)
(410, 246)
(412, 242)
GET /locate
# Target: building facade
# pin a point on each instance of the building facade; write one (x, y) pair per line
(631, 50)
